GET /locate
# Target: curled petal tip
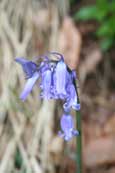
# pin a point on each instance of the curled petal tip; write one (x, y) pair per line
(75, 132)
(76, 106)
(21, 60)
(22, 98)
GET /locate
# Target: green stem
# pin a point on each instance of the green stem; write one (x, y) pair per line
(79, 138)
(79, 144)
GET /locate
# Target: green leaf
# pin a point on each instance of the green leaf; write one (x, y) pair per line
(86, 13)
(105, 8)
(107, 28)
(112, 7)
(106, 44)
(103, 30)
(102, 3)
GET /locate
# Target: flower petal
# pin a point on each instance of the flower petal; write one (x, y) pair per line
(66, 122)
(29, 67)
(29, 85)
(21, 60)
(60, 73)
(67, 127)
(46, 84)
(74, 76)
(72, 100)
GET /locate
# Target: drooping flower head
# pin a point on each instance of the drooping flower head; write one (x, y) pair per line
(67, 126)
(56, 82)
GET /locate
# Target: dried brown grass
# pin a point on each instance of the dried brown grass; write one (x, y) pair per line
(26, 127)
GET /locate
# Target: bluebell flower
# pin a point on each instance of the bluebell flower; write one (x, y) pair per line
(57, 81)
(67, 126)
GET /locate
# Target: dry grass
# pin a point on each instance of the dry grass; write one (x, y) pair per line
(27, 28)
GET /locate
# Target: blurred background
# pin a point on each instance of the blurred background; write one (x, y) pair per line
(84, 32)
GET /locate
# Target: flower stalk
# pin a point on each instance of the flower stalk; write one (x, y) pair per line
(79, 137)
(79, 144)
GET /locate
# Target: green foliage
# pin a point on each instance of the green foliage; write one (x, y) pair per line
(18, 159)
(72, 2)
(104, 13)
(86, 13)
(18, 162)
(106, 43)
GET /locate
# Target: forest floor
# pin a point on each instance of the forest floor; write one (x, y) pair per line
(97, 99)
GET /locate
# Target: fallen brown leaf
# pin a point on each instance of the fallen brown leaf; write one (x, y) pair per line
(100, 152)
